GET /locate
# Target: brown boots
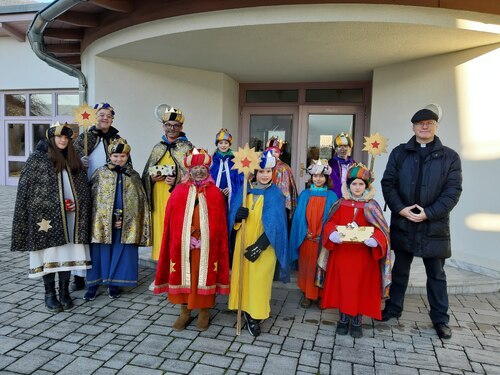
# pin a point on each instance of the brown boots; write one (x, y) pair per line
(203, 319)
(183, 319)
(185, 316)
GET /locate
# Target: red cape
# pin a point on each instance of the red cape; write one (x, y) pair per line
(217, 267)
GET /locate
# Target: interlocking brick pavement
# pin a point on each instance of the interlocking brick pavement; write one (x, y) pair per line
(133, 334)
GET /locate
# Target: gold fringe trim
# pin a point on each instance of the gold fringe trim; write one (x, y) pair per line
(205, 241)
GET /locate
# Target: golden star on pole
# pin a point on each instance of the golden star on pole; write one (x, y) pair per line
(85, 115)
(375, 144)
(246, 159)
(44, 225)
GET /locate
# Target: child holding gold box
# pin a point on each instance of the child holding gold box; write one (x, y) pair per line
(356, 267)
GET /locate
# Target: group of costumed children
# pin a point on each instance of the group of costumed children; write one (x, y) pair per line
(61, 214)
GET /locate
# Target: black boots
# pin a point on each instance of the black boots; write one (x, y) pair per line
(78, 283)
(51, 301)
(64, 297)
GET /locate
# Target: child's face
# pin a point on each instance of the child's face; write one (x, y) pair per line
(61, 141)
(118, 159)
(319, 180)
(357, 188)
(223, 145)
(198, 173)
(264, 176)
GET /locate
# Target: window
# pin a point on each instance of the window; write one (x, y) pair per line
(41, 105)
(15, 105)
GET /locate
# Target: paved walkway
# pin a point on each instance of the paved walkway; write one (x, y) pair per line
(133, 335)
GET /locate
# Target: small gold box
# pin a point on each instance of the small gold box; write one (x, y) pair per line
(354, 234)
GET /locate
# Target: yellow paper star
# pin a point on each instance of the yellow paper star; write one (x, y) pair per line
(215, 266)
(246, 159)
(375, 144)
(172, 265)
(44, 225)
(85, 115)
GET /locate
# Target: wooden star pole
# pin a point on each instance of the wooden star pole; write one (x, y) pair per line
(85, 116)
(246, 160)
(375, 144)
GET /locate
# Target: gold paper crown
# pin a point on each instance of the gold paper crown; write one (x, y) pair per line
(119, 146)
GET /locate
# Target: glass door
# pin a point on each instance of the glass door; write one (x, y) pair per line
(319, 126)
(21, 138)
(262, 123)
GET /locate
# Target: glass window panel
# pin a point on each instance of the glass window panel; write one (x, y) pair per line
(66, 103)
(38, 133)
(322, 130)
(16, 136)
(15, 105)
(41, 105)
(334, 95)
(263, 127)
(15, 168)
(272, 96)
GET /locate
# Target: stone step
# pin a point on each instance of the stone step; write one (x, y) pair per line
(460, 281)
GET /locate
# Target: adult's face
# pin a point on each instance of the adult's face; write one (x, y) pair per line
(61, 141)
(198, 173)
(343, 151)
(118, 158)
(172, 129)
(104, 120)
(425, 130)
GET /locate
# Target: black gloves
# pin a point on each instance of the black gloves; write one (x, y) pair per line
(253, 251)
(241, 214)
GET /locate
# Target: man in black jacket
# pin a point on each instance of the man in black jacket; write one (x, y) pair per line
(421, 185)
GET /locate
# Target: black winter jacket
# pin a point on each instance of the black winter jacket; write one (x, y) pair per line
(440, 189)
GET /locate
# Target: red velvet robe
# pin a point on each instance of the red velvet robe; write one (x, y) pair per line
(173, 271)
(353, 279)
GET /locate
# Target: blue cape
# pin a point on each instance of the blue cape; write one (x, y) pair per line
(274, 221)
(299, 223)
(236, 178)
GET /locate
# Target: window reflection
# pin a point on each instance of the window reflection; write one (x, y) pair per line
(40, 104)
(15, 105)
(16, 139)
(66, 103)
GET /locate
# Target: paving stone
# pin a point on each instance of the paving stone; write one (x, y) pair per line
(5, 361)
(9, 343)
(279, 364)
(134, 370)
(254, 350)
(384, 369)
(152, 344)
(31, 361)
(179, 366)
(216, 360)
(483, 356)
(293, 344)
(363, 370)
(309, 358)
(353, 355)
(148, 361)
(133, 327)
(119, 360)
(453, 358)
(417, 360)
(208, 370)
(58, 363)
(210, 345)
(340, 367)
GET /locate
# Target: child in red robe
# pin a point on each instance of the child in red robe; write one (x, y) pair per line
(356, 272)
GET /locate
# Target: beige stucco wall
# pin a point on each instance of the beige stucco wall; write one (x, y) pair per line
(209, 101)
(27, 72)
(465, 84)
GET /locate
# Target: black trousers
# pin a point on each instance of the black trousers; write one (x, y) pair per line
(437, 293)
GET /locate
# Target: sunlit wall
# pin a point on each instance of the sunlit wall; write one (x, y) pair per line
(466, 85)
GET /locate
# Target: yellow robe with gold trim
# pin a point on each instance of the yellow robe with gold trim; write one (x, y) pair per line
(257, 276)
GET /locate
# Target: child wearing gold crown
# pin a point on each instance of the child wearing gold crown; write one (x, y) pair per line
(120, 223)
(52, 215)
(356, 236)
(312, 210)
(226, 179)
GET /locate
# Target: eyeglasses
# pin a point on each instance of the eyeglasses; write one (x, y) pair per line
(425, 123)
(173, 126)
